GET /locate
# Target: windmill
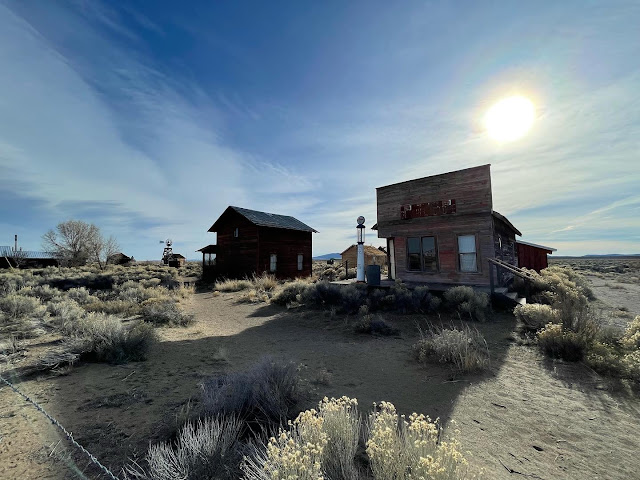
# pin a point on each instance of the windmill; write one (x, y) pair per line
(167, 254)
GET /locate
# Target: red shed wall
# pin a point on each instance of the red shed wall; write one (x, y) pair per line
(532, 257)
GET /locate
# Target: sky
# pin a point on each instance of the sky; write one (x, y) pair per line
(149, 118)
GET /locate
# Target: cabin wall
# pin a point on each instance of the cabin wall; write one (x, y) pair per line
(286, 244)
(236, 257)
(442, 206)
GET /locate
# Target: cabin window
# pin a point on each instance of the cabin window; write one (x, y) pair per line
(300, 262)
(467, 253)
(236, 233)
(273, 261)
(422, 254)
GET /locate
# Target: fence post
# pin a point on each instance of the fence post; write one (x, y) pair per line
(346, 269)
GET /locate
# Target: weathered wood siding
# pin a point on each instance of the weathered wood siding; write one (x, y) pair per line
(471, 190)
(287, 245)
(504, 243)
(237, 256)
(370, 258)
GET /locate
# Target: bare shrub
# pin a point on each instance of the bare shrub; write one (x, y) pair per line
(262, 397)
(535, 316)
(463, 347)
(113, 307)
(558, 342)
(374, 325)
(81, 295)
(254, 295)
(290, 292)
(322, 294)
(103, 338)
(16, 306)
(66, 313)
(210, 448)
(466, 301)
(161, 311)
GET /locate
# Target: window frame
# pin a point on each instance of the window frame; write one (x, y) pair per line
(236, 232)
(300, 262)
(459, 254)
(273, 262)
(421, 254)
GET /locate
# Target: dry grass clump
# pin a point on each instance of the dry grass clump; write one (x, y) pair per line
(466, 301)
(102, 338)
(462, 347)
(262, 398)
(209, 448)
(231, 285)
(164, 311)
(65, 315)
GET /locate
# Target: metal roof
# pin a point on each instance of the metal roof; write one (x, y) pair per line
(535, 245)
(6, 251)
(265, 219)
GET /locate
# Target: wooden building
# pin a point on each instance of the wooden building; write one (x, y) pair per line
(120, 259)
(9, 258)
(177, 260)
(372, 256)
(532, 256)
(252, 242)
(442, 229)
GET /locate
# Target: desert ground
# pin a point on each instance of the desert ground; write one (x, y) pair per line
(526, 416)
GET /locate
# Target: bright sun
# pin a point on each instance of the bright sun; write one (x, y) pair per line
(510, 118)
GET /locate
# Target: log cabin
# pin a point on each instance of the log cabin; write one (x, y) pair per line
(442, 229)
(252, 242)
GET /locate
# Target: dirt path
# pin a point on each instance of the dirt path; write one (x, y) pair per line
(616, 294)
(547, 420)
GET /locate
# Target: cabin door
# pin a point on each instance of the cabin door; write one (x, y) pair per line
(392, 259)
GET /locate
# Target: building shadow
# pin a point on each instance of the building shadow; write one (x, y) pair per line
(142, 401)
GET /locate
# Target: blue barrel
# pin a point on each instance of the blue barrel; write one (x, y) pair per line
(372, 273)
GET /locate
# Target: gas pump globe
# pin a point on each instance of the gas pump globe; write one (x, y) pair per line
(360, 258)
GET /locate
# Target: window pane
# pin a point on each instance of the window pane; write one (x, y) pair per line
(467, 244)
(429, 254)
(468, 262)
(299, 262)
(413, 254)
(413, 245)
(274, 259)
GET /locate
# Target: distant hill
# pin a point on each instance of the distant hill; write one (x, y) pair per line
(328, 256)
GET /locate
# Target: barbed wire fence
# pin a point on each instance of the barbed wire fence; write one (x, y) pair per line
(68, 434)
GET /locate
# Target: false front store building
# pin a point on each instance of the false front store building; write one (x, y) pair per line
(443, 229)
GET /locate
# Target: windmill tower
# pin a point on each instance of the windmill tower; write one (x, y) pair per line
(167, 254)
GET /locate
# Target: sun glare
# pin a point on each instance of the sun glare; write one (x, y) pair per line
(510, 118)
